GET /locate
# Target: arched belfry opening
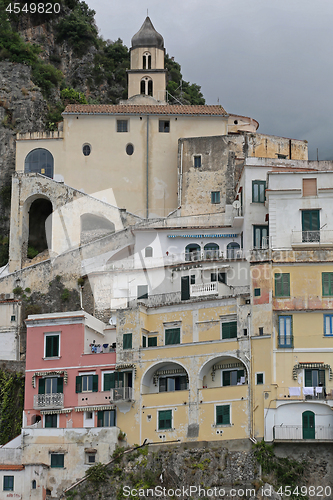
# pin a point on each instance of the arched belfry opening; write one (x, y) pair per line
(40, 228)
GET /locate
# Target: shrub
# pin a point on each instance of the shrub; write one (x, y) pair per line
(65, 295)
(32, 252)
(18, 290)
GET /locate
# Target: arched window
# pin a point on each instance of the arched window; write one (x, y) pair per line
(148, 252)
(33, 484)
(233, 250)
(146, 86)
(211, 251)
(39, 161)
(146, 64)
(40, 227)
(192, 252)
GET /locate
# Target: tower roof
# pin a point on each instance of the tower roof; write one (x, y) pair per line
(147, 36)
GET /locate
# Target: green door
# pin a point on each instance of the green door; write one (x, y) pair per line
(310, 225)
(308, 418)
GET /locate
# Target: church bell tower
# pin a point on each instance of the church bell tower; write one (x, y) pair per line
(147, 76)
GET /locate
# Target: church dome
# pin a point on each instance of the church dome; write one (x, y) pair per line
(147, 36)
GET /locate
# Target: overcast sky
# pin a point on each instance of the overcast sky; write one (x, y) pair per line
(268, 59)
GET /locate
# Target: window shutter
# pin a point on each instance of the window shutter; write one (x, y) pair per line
(226, 378)
(309, 187)
(308, 378)
(48, 348)
(95, 383)
(326, 283)
(162, 385)
(183, 383)
(100, 416)
(41, 386)
(152, 341)
(233, 329)
(172, 336)
(78, 384)
(60, 385)
(107, 381)
(144, 341)
(127, 341)
(239, 375)
(55, 345)
(286, 284)
(226, 330)
(278, 284)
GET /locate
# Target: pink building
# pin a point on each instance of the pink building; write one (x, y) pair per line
(69, 419)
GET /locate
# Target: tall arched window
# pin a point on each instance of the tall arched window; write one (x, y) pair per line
(39, 161)
(233, 250)
(146, 60)
(146, 86)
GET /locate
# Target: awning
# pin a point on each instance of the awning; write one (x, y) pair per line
(55, 412)
(95, 408)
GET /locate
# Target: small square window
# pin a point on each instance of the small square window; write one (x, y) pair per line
(215, 197)
(259, 378)
(90, 458)
(143, 292)
(164, 420)
(122, 125)
(127, 341)
(192, 279)
(152, 341)
(148, 252)
(57, 460)
(164, 126)
(8, 483)
(52, 346)
(13, 318)
(197, 161)
(261, 331)
(257, 292)
(172, 336)
(223, 415)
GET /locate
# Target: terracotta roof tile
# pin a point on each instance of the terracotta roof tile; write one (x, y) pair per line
(138, 109)
(11, 467)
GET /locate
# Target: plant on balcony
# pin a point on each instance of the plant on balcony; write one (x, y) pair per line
(121, 436)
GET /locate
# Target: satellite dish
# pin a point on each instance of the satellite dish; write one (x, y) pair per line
(236, 204)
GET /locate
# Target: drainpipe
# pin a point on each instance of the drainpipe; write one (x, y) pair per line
(180, 176)
(251, 405)
(147, 166)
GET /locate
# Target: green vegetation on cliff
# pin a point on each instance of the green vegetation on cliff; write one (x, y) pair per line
(11, 405)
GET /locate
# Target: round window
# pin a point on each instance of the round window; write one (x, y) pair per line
(86, 149)
(130, 149)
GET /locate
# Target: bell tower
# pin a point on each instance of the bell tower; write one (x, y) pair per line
(147, 76)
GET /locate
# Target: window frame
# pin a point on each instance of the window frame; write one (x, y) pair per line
(48, 335)
(164, 126)
(227, 324)
(152, 339)
(167, 331)
(258, 183)
(56, 416)
(215, 197)
(168, 412)
(197, 161)
(284, 317)
(330, 317)
(56, 465)
(99, 419)
(9, 487)
(120, 124)
(263, 378)
(219, 413)
(129, 341)
(330, 284)
(149, 250)
(285, 283)
(257, 292)
(261, 228)
(230, 370)
(79, 382)
(142, 292)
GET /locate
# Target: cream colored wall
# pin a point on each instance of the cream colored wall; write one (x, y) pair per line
(157, 57)
(108, 165)
(159, 84)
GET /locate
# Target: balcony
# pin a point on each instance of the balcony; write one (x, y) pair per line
(312, 239)
(295, 433)
(204, 289)
(49, 401)
(121, 394)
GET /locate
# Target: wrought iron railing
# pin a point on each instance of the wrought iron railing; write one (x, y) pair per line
(49, 400)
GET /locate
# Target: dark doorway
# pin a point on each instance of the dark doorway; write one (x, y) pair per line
(39, 235)
(185, 287)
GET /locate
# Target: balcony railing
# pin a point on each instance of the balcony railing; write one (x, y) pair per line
(121, 394)
(313, 238)
(295, 432)
(204, 289)
(49, 401)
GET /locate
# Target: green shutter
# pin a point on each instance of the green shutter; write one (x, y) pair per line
(321, 377)
(282, 284)
(127, 341)
(164, 419)
(226, 378)
(229, 330)
(41, 386)
(327, 279)
(100, 418)
(57, 460)
(108, 381)
(144, 341)
(60, 385)
(152, 341)
(223, 415)
(172, 336)
(308, 378)
(240, 373)
(78, 384)
(95, 383)
(48, 349)
(286, 284)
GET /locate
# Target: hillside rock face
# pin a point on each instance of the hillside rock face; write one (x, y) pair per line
(22, 109)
